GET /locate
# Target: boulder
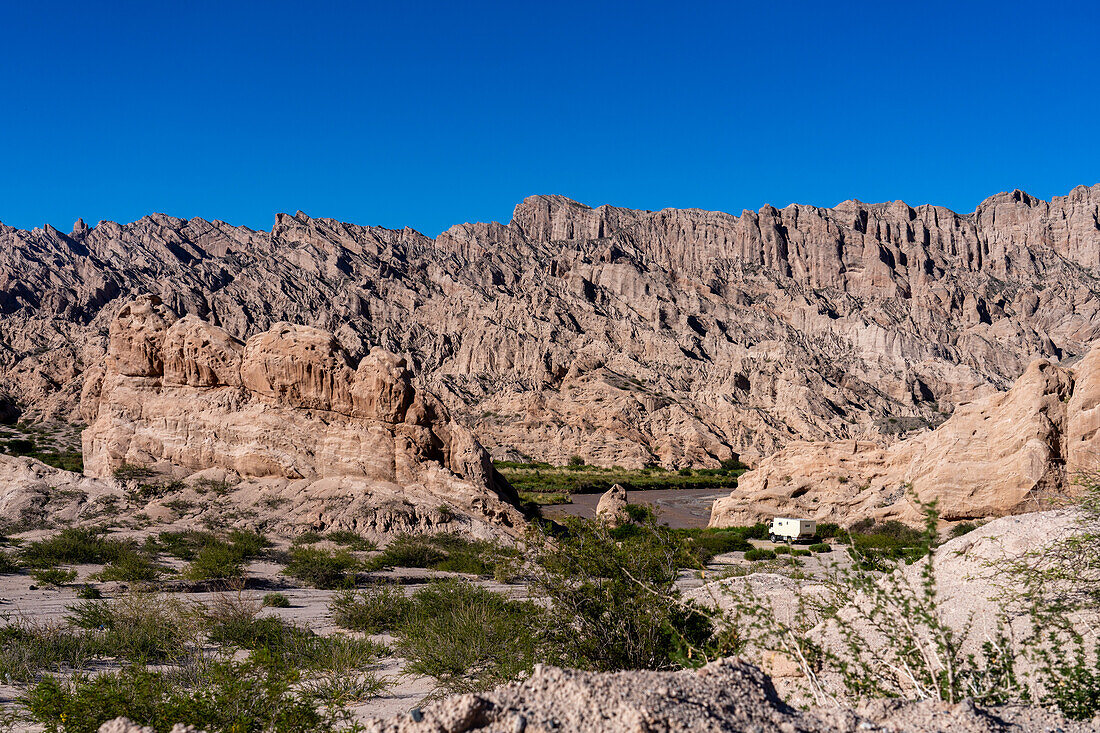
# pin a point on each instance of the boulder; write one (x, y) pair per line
(612, 506)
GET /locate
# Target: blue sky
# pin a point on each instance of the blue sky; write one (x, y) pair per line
(430, 114)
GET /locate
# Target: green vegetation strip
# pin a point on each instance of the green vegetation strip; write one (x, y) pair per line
(544, 483)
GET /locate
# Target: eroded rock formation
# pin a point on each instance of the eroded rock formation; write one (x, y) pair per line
(624, 337)
(1008, 453)
(289, 413)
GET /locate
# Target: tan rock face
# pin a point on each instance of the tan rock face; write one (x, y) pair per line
(285, 406)
(622, 336)
(1008, 453)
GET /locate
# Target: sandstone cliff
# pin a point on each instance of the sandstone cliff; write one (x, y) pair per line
(346, 445)
(622, 336)
(1010, 452)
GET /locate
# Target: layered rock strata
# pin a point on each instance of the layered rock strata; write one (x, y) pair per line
(347, 444)
(622, 336)
(1008, 453)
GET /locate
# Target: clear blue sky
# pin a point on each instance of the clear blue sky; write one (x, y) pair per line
(430, 114)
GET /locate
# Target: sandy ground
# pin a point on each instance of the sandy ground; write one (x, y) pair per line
(309, 607)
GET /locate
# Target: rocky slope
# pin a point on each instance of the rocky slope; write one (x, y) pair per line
(1010, 452)
(724, 696)
(281, 425)
(682, 336)
(727, 695)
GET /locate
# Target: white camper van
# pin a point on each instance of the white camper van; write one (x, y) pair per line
(786, 528)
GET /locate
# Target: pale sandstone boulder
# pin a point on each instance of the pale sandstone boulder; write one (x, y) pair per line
(1008, 453)
(352, 447)
(612, 506)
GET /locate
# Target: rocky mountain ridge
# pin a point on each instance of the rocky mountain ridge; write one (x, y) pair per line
(625, 337)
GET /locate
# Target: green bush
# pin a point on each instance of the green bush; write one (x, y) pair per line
(8, 564)
(468, 638)
(613, 600)
(180, 545)
(758, 554)
(74, 546)
(829, 530)
(275, 600)
(322, 568)
(308, 538)
(407, 551)
(819, 547)
(782, 550)
(131, 567)
(139, 627)
(53, 576)
(444, 551)
(29, 648)
(351, 540)
(799, 552)
(962, 528)
(216, 561)
(256, 696)
(374, 610)
(248, 545)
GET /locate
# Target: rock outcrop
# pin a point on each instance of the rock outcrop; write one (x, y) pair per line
(622, 336)
(1008, 453)
(612, 506)
(727, 695)
(343, 444)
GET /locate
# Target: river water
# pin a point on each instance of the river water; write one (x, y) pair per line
(677, 508)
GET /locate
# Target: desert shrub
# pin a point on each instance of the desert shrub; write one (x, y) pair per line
(373, 610)
(444, 551)
(128, 472)
(131, 567)
(29, 648)
(829, 530)
(819, 547)
(407, 551)
(73, 546)
(255, 696)
(248, 544)
(216, 561)
(139, 627)
(962, 528)
(782, 550)
(799, 552)
(8, 564)
(53, 576)
(1054, 586)
(759, 554)
(308, 538)
(639, 512)
(614, 603)
(468, 638)
(702, 545)
(183, 545)
(88, 592)
(322, 568)
(275, 600)
(758, 531)
(351, 540)
(888, 636)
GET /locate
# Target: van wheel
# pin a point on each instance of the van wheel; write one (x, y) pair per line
(771, 538)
